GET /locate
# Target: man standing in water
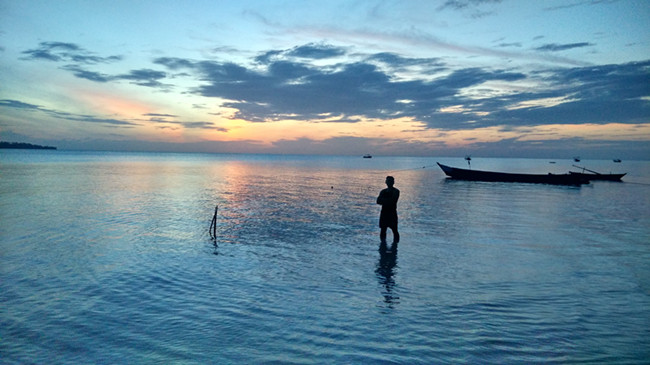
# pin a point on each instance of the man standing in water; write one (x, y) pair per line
(388, 218)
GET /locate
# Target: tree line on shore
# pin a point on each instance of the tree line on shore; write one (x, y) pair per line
(24, 146)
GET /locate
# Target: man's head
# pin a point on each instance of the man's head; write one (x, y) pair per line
(390, 181)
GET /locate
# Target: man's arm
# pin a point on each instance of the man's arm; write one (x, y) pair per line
(381, 198)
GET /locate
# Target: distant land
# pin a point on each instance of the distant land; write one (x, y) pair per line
(24, 146)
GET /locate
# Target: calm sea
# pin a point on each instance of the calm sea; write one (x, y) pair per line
(106, 258)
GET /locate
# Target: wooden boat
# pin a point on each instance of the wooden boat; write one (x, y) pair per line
(477, 175)
(594, 175)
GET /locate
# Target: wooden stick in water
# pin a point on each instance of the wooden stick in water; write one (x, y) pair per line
(216, 209)
(213, 224)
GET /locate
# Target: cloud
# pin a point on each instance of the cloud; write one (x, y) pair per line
(290, 89)
(474, 6)
(513, 44)
(287, 88)
(66, 52)
(79, 59)
(297, 90)
(173, 63)
(294, 84)
(554, 47)
(18, 105)
(88, 75)
(64, 115)
(423, 41)
(93, 119)
(397, 63)
(204, 125)
(162, 119)
(598, 94)
(143, 77)
(569, 5)
(316, 51)
(160, 115)
(465, 4)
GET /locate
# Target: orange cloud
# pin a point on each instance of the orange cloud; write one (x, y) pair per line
(269, 132)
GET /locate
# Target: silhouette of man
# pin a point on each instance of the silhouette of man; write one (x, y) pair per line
(388, 218)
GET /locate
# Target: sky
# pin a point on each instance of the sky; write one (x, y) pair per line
(493, 78)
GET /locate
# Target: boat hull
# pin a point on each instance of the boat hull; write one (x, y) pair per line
(477, 175)
(603, 177)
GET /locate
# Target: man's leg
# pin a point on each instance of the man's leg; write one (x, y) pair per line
(395, 233)
(382, 233)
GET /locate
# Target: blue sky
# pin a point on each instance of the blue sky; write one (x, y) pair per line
(432, 78)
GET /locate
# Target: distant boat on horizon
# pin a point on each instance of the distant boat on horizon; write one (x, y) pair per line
(576, 159)
(367, 156)
(617, 160)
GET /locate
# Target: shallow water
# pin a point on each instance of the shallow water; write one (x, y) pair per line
(106, 258)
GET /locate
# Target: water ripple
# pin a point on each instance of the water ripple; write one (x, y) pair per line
(109, 260)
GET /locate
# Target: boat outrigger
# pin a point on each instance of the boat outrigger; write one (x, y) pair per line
(594, 175)
(477, 175)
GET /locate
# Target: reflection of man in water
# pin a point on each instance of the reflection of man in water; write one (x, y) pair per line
(386, 271)
(388, 218)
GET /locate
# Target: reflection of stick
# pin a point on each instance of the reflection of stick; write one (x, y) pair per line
(213, 224)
